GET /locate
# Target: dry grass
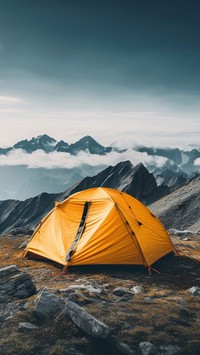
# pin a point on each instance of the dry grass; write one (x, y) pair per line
(170, 316)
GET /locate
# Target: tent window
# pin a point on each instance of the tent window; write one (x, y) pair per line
(79, 231)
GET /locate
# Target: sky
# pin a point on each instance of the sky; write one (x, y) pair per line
(124, 71)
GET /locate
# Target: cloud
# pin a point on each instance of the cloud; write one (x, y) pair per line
(5, 100)
(197, 162)
(53, 160)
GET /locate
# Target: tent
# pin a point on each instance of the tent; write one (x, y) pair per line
(100, 226)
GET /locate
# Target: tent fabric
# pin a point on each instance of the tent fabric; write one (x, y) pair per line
(100, 226)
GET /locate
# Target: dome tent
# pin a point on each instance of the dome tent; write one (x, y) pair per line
(100, 226)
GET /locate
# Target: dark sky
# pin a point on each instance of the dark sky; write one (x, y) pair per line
(100, 56)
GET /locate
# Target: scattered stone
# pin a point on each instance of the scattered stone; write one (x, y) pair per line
(27, 327)
(150, 299)
(88, 288)
(120, 291)
(195, 291)
(121, 348)
(47, 305)
(23, 244)
(169, 349)
(147, 348)
(15, 283)
(86, 322)
(79, 298)
(125, 298)
(137, 289)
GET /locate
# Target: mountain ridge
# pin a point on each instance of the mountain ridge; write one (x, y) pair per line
(25, 215)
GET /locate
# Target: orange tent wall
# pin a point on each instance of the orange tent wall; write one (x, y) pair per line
(118, 230)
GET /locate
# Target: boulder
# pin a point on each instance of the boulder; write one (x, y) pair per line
(47, 305)
(86, 322)
(15, 283)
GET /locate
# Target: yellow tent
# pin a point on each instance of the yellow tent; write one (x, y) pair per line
(100, 226)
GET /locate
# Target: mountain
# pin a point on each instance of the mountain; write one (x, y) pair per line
(136, 181)
(181, 208)
(23, 181)
(22, 216)
(185, 160)
(43, 142)
(20, 182)
(49, 144)
(89, 145)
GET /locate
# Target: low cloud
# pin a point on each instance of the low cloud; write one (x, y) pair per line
(197, 162)
(53, 160)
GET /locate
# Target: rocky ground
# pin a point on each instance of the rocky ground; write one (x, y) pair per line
(100, 310)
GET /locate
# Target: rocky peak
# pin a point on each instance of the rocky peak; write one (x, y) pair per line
(89, 144)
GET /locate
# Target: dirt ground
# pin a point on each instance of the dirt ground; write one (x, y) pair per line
(165, 314)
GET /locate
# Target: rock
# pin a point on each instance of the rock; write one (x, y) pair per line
(120, 291)
(79, 298)
(88, 288)
(27, 327)
(121, 348)
(150, 299)
(195, 291)
(137, 289)
(169, 349)
(15, 283)
(47, 305)
(86, 322)
(23, 244)
(147, 348)
(125, 298)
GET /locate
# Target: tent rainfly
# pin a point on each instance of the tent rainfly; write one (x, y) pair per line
(100, 226)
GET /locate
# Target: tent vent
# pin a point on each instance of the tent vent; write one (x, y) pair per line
(80, 230)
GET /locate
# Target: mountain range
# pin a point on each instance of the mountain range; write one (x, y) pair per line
(49, 144)
(21, 181)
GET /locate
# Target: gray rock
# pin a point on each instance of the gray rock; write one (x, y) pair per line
(79, 298)
(169, 349)
(89, 288)
(121, 348)
(137, 289)
(15, 283)
(86, 322)
(27, 327)
(23, 244)
(47, 305)
(125, 298)
(120, 291)
(150, 299)
(147, 348)
(195, 291)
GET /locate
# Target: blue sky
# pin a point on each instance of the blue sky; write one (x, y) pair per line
(122, 70)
